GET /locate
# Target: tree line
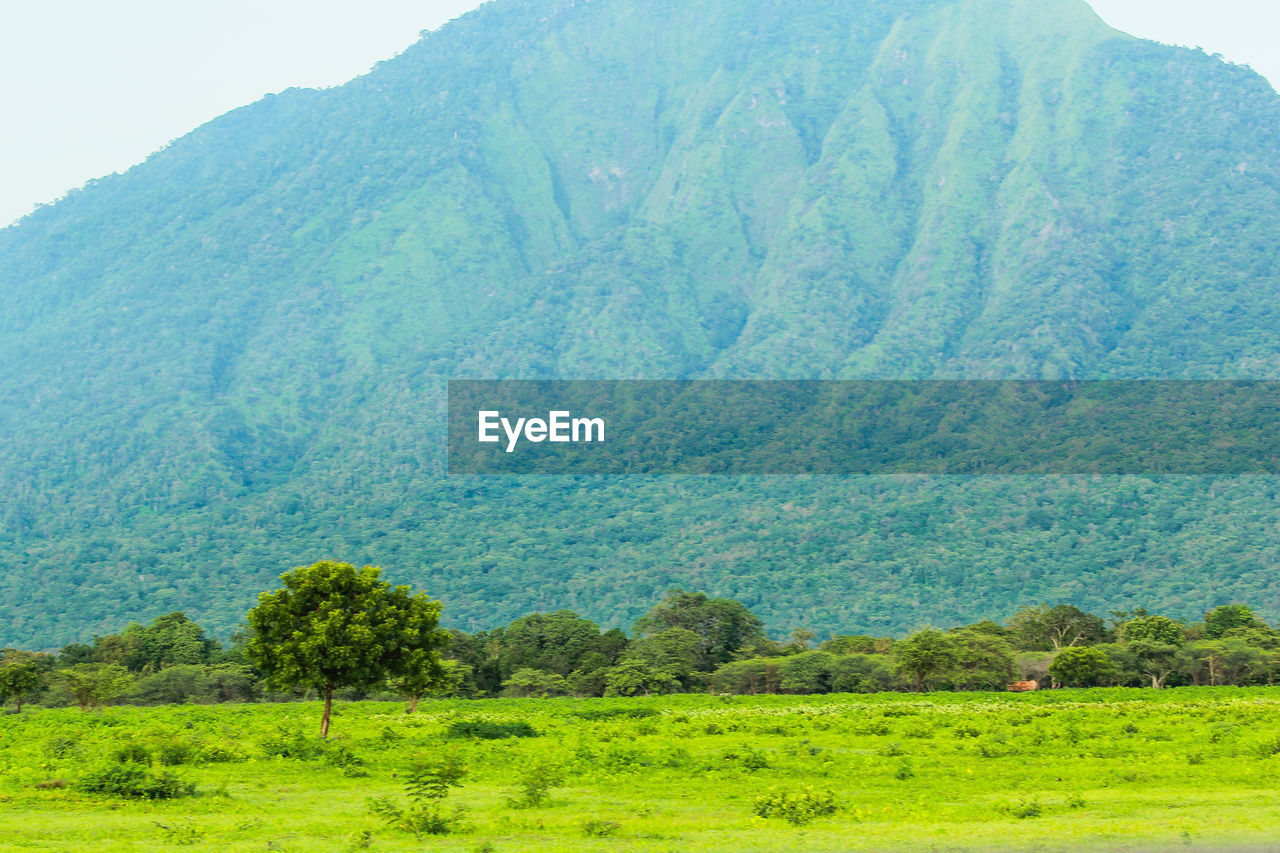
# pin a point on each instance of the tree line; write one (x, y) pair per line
(335, 630)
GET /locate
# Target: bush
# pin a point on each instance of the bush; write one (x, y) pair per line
(750, 758)
(173, 753)
(131, 781)
(1029, 808)
(61, 747)
(132, 753)
(426, 788)
(180, 833)
(294, 745)
(489, 729)
(600, 828)
(340, 756)
(216, 754)
(797, 807)
(536, 782)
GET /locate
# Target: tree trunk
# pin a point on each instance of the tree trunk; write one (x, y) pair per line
(413, 703)
(919, 681)
(19, 698)
(328, 703)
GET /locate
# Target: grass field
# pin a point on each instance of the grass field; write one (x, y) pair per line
(1194, 768)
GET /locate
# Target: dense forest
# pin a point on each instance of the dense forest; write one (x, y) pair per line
(235, 354)
(687, 643)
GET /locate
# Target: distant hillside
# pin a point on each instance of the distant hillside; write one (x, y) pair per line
(230, 359)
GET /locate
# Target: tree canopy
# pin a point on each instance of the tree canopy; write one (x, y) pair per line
(722, 625)
(332, 625)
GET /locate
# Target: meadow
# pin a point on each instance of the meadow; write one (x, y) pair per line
(1115, 768)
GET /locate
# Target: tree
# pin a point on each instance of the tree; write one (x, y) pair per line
(92, 684)
(756, 675)
(1225, 661)
(333, 625)
(74, 653)
(862, 644)
(800, 639)
(1220, 620)
(21, 673)
(806, 672)
(1155, 660)
(1261, 638)
(186, 682)
(169, 639)
(982, 659)
(1155, 642)
(925, 653)
(535, 682)
(473, 651)
(552, 642)
(1159, 630)
(637, 678)
(430, 675)
(675, 650)
(1044, 627)
(1082, 666)
(724, 626)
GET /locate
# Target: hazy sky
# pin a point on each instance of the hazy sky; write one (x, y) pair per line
(89, 87)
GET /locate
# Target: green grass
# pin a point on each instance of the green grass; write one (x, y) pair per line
(1070, 769)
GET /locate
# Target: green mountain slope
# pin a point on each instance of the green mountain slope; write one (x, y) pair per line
(230, 359)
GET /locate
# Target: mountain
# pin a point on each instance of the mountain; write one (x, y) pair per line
(230, 359)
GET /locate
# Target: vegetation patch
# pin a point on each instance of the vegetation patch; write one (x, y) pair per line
(128, 780)
(490, 729)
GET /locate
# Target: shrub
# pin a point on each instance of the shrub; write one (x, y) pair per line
(536, 782)
(750, 757)
(1025, 809)
(131, 781)
(490, 729)
(181, 833)
(797, 807)
(216, 754)
(294, 745)
(173, 753)
(61, 747)
(340, 756)
(426, 788)
(600, 828)
(132, 753)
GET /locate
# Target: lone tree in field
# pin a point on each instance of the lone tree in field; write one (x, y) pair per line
(333, 626)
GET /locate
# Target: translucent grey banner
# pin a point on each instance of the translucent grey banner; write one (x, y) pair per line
(864, 427)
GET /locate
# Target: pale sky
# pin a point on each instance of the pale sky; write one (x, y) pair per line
(90, 87)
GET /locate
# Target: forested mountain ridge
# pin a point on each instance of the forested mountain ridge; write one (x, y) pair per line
(230, 359)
